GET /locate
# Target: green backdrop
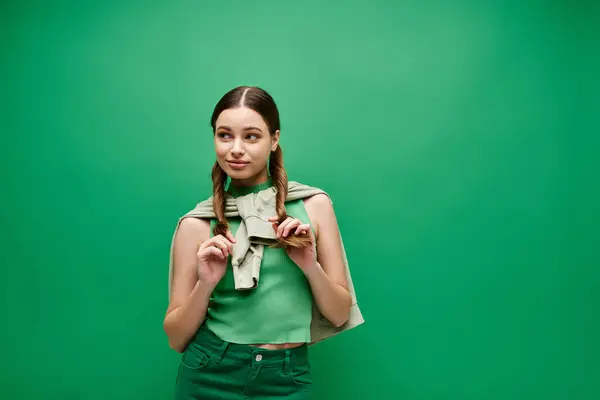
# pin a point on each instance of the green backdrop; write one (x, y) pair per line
(458, 141)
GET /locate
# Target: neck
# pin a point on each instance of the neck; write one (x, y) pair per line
(236, 190)
(255, 180)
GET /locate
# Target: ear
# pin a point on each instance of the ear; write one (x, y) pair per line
(275, 140)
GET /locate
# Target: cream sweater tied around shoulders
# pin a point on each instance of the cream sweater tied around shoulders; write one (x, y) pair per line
(255, 232)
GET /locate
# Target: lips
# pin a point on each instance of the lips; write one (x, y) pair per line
(237, 164)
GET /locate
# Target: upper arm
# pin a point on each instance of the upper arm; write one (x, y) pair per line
(190, 233)
(329, 248)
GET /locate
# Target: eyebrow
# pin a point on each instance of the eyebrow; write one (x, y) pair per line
(247, 128)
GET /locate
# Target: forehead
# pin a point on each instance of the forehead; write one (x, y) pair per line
(238, 118)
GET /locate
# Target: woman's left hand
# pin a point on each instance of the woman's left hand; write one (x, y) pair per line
(305, 258)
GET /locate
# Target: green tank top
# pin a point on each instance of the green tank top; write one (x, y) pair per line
(279, 309)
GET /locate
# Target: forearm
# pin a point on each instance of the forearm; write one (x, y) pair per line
(182, 323)
(333, 300)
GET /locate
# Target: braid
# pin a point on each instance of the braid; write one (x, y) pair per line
(219, 177)
(280, 182)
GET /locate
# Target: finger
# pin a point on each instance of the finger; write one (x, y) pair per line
(302, 229)
(215, 252)
(227, 241)
(274, 224)
(292, 225)
(230, 237)
(282, 226)
(278, 227)
(209, 249)
(219, 242)
(228, 244)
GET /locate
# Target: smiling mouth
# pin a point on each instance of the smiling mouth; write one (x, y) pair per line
(237, 164)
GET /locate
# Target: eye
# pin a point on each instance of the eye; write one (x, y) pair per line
(252, 136)
(223, 135)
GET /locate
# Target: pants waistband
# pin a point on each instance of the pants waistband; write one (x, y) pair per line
(243, 353)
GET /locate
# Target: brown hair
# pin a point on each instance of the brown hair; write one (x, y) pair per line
(260, 101)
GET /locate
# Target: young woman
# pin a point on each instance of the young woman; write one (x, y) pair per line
(244, 321)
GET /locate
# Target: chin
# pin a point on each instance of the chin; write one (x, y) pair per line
(238, 174)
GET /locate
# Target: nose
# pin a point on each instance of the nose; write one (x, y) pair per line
(238, 149)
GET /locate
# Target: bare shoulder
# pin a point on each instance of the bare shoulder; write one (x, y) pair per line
(194, 227)
(329, 247)
(320, 210)
(190, 233)
(320, 200)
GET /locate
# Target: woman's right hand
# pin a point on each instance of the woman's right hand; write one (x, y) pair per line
(212, 258)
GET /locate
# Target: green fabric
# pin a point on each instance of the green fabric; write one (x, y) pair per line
(244, 206)
(237, 191)
(279, 309)
(214, 369)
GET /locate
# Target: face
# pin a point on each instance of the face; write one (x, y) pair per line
(243, 145)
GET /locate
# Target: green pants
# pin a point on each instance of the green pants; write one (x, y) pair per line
(211, 368)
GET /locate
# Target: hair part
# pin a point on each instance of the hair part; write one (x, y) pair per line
(260, 101)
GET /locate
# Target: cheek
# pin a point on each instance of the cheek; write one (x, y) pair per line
(221, 149)
(261, 152)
